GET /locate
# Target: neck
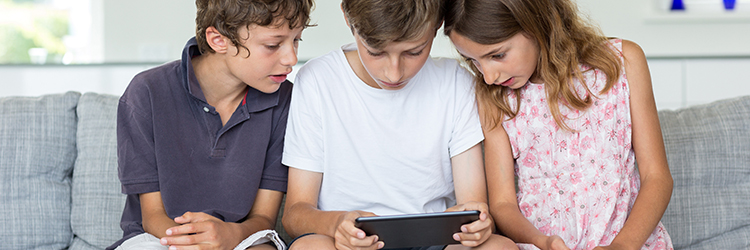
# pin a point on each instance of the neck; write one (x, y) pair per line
(352, 57)
(216, 82)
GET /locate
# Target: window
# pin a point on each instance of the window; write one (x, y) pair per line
(47, 31)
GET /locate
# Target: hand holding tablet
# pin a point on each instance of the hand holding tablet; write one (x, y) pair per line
(413, 230)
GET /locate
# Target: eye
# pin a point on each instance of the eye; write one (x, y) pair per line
(374, 54)
(415, 53)
(273, 46)
(499, 56)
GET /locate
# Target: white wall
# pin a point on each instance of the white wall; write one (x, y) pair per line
(139, 30)
(694, 57)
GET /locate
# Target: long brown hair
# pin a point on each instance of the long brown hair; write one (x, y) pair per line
(565, 41)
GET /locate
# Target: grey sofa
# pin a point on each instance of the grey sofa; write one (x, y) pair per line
(59, 186)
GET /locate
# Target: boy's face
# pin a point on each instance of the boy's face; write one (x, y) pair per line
(273, 52)
(392, 67)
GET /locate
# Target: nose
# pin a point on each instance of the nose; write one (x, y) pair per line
(490, 74)
(393, 71)
(289, 56)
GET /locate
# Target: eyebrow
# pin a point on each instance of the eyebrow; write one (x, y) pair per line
(370, 48)
(491, 53)
(488, 54)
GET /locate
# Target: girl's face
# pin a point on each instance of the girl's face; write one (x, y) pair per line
(510, 63)
(392, 67)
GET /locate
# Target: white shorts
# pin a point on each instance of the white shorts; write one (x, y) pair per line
(146, 241)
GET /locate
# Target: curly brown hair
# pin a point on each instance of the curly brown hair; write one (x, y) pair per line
(228, 16)
(565, 41)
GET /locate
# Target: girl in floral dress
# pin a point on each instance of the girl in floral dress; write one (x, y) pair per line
(566, 110)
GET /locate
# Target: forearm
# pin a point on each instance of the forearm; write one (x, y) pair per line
(158, 225)
(647, 211)
(302, 218)
(515, 226)
(154, 218)
(256, 223)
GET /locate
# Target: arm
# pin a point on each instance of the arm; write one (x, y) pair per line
(154, 217)
(301, 213)
(502, 192)
(656, 180)
(203, 229)
(471, 194)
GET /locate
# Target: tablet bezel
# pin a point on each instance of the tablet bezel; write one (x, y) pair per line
(415, 230)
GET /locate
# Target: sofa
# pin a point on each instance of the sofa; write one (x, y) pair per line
(59, 186)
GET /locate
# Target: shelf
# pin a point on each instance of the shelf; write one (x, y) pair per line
(699, 17)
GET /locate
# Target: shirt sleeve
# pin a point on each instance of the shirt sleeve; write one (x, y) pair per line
(275, 174)
(135, 141)
(303, 145)
(467, 131)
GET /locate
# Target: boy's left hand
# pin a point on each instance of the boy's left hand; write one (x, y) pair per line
(202, 231)
(477, 232)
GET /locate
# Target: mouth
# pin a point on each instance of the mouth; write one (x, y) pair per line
(508, 82)
(278, 78)
(392, 85)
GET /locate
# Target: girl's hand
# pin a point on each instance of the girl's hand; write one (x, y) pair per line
(202, 231)
(477, 232)
(554, 242)
(348, 236)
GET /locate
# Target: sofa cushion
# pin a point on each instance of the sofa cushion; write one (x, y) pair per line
(708, 150)
(37, 150)
(97, 202)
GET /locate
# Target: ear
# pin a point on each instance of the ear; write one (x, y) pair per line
(218, 42)
(346, 18)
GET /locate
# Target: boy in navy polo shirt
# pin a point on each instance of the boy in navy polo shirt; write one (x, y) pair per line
(200, 139)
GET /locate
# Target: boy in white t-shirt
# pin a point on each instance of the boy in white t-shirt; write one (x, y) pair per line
(378, 127)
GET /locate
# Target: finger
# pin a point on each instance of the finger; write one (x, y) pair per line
(189, 228)
(367, 242)
(467, 236)
(191, 217)
(477, 226)
(182, 240)
(456, 208)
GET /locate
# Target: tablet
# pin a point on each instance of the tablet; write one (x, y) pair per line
(415, 230)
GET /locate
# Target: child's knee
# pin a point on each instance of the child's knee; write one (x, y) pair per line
(312, 242)
(499, 242)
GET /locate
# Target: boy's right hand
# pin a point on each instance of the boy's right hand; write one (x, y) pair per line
(348, 236)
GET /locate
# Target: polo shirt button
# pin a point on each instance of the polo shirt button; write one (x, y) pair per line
(206, 109)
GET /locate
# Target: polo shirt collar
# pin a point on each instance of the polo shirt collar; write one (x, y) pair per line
(254, 101)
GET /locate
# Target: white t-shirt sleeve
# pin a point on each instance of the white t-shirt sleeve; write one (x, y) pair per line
(303, 142)
(468, 130)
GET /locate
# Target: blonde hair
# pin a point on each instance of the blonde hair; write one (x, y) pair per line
(380, 22)
(565, 41)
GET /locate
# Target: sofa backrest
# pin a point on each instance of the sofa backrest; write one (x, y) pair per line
(708, 150)
(37, 151)
(97, 201)
(59, 186)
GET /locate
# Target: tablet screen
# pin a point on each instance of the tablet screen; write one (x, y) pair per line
(414, 230)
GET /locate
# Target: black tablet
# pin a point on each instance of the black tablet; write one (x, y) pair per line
(415, 230)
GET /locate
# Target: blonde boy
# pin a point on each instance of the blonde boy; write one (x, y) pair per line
(378, 127)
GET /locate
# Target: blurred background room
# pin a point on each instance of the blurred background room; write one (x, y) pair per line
(698, 50)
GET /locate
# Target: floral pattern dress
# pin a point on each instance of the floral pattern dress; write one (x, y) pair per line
(579, 185)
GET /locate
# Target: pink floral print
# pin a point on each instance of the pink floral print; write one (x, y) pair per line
(579, 185)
